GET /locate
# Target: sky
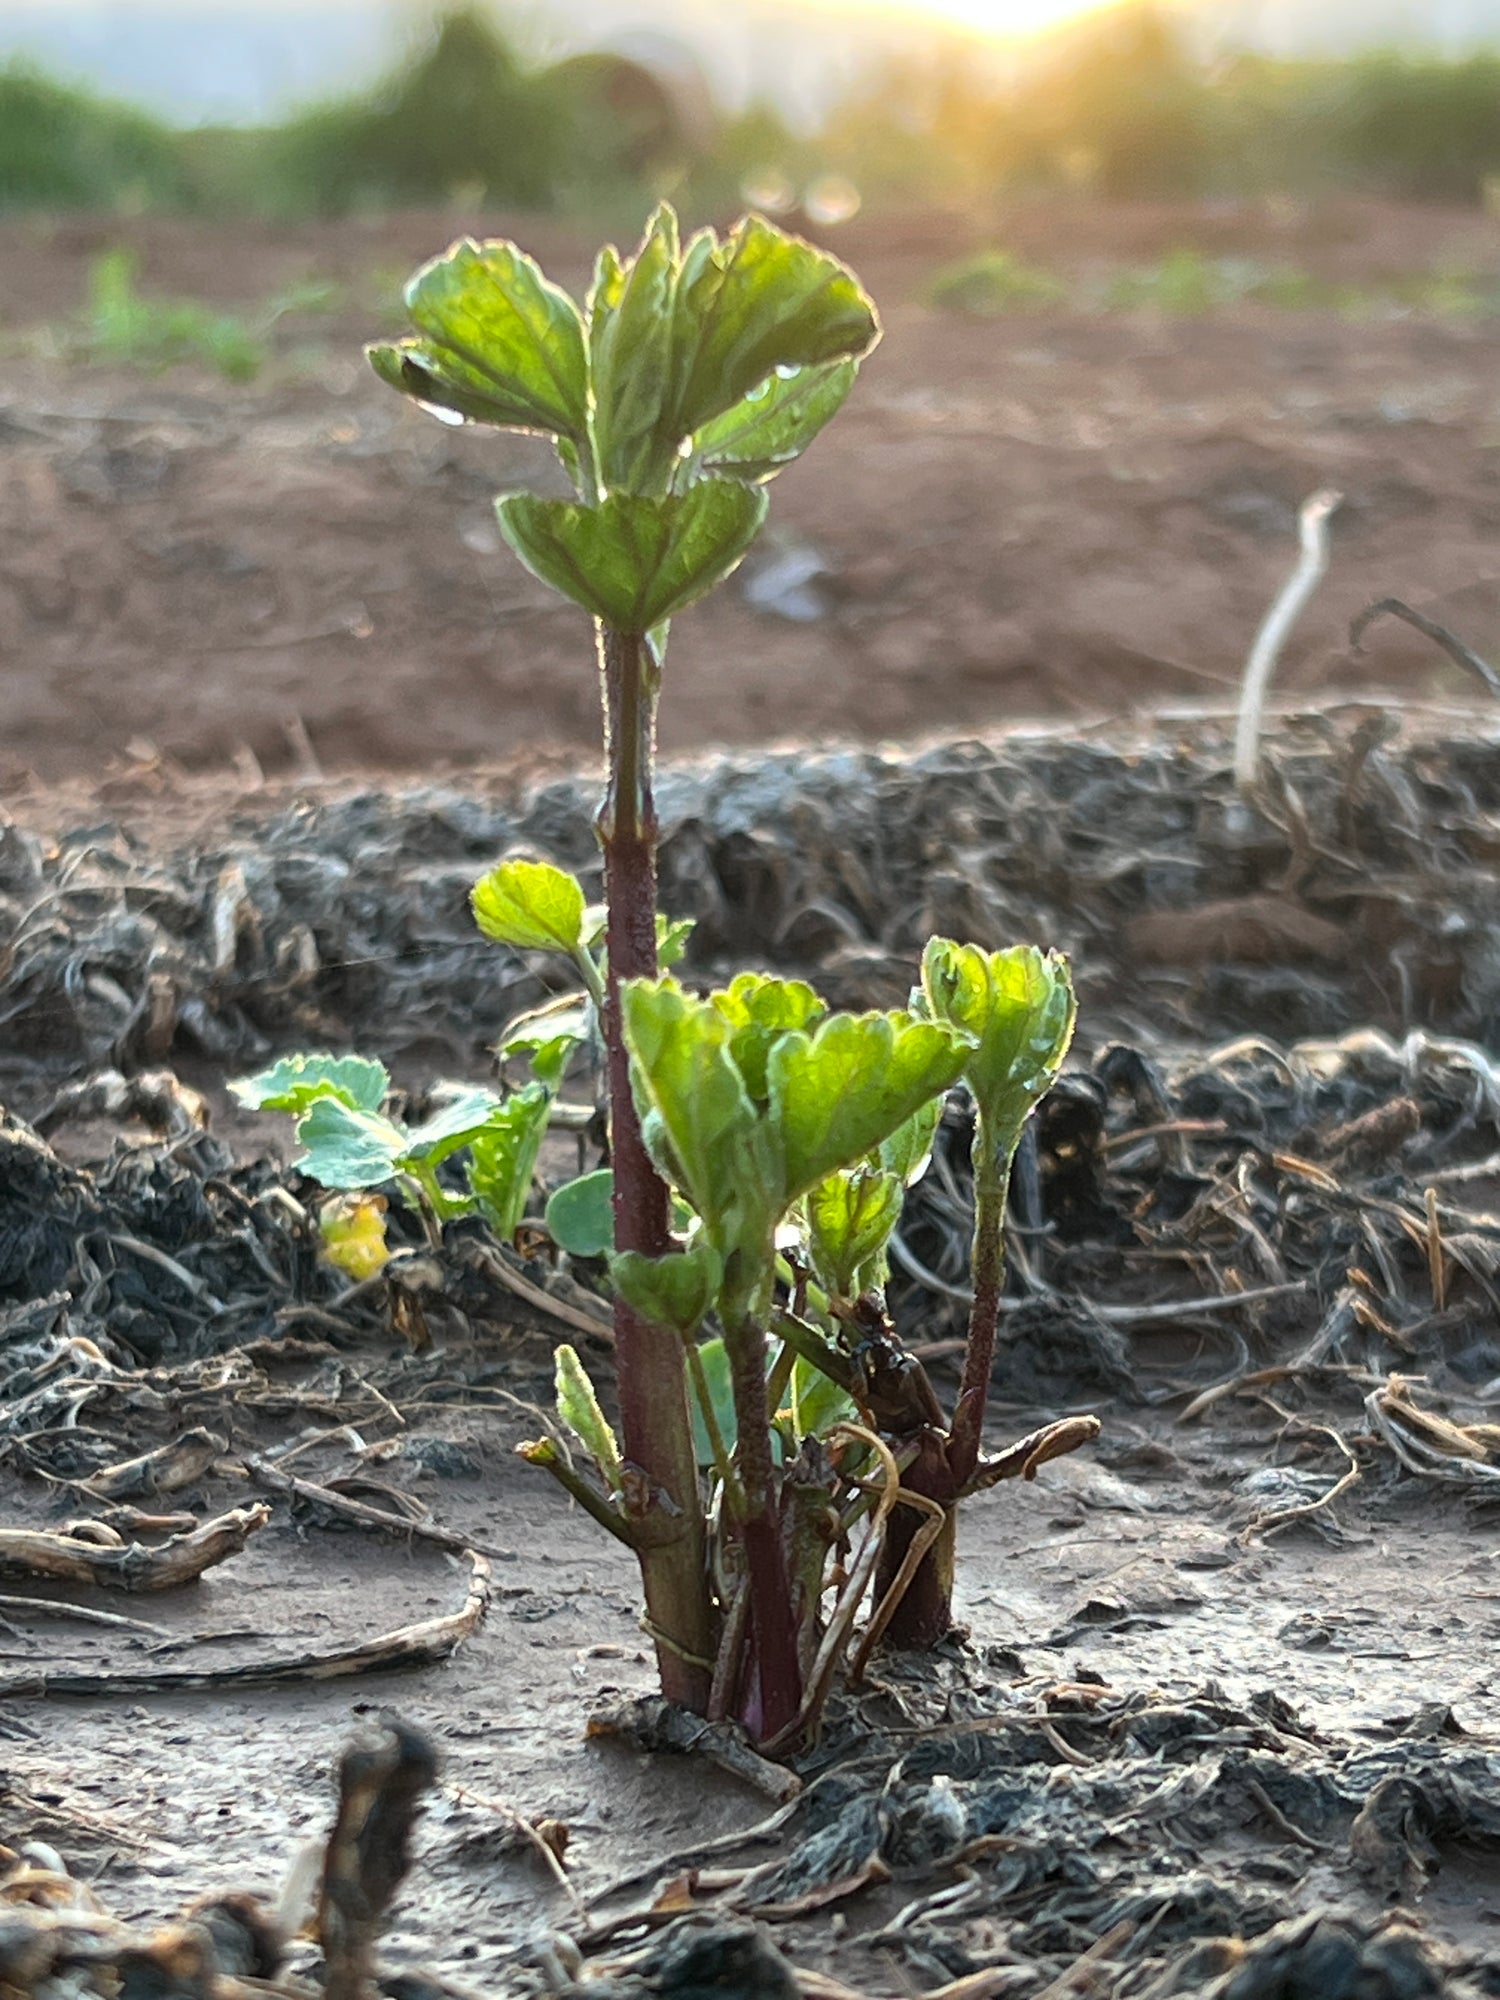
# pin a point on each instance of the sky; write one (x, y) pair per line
(239, 60)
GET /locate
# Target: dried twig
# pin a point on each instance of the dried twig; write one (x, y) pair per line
(1283, 1517)
(429, 1640)
(652, 1723)
(1290, 602)
(1452, 645)
(382, 1776)
(47, 1607)
(120, 1565)
(1427, 1444)
(360, 1511)
(496, 1266)
(167, 1469)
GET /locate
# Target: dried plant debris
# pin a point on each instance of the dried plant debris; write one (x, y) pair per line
(1187, 1845)
(1041, 1840)
(1358, 885)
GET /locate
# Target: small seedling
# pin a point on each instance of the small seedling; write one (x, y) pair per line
(690, 375)
(123, 324)
(352, 1144)
(994, 282)
(759, 1146)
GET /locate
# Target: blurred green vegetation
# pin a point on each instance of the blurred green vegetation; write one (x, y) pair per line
(122, 324)
(1120, 106)
(62, 148)
(1186, 284)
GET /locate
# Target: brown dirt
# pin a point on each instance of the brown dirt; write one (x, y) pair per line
(1040, 515)
(1133, 1575)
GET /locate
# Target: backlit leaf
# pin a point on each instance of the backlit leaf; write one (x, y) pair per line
(497, 342)
(850, 1218)
(836, 1094)
(529, 904)
(503, 1155)
(758, 301)
(630, 351)
(634, 561)
(909, 1148)
(696, 1117)
(775, 423)
(1018, 1006)
(461, 1115)
(759, 1008)
(297, 1081)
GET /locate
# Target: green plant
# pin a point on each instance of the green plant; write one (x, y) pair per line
(66, 148)
(689, 377)
(351, 1142)
(122, 324)
(993, 282)
(1185, 283)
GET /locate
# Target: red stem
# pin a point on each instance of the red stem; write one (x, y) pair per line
(776, 1694)
(652, 1377)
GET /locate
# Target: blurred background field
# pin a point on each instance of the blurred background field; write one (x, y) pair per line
(1150, 276)
(592, 111)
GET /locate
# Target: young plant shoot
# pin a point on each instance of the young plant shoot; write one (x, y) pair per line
(775, 1438)
(688, 378)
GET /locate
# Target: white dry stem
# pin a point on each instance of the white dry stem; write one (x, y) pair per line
(1291, 601)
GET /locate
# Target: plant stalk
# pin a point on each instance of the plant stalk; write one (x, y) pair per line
(655, 1425)
(924, 1615)
(993, 1153)
(942, 1468)
(775, 1695)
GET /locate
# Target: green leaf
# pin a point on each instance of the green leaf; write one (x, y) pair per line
(498, 344)
(850, 1218)
(759, 301)
(837, 1094)
(672, 934)
(634, 561)
(503, 1155)
(578, 1407)
(549, 1058)
(531, 905)
(630, 350)
(546, 1036)
(580, 1214)
(775, 423)
(457, 1120)
(909, 1148)
(817, 1402)
(714, 1358)
(1018, 1007)
(696, 1118)
(298, 1081)
(679, 1291)
(345, 1147)
(759, 1008)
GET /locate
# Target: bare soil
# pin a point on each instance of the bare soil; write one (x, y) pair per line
(1056, 514)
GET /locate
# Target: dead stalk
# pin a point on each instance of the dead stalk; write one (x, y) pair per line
(1290, 602)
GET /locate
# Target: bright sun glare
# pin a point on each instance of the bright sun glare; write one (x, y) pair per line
(1006, 19)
